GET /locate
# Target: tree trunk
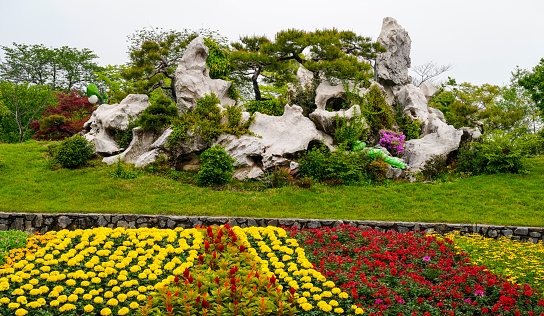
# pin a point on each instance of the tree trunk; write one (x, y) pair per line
(255, 80)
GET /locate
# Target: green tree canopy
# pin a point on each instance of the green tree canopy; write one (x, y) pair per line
(63, 68)
(154, 55)
(534, 83)
(486, 107)
(336, 55)
(24, 103)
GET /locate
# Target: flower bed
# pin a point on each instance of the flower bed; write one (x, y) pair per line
(253, 271)
(412, 274)
(519, 262)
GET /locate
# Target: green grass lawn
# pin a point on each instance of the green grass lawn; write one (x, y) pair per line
(27, 184)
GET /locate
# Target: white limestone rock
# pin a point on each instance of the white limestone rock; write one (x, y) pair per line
(110, 117)
(429, 90)
(325, 121)
(442, 142)
(277, 139)
(193, 78)
(392, 66)
(414, 103)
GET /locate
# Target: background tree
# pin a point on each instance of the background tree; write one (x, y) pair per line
(428, 72)
(64, 118)
(24, 103)
(487, 107)
(154, 55)
(251, 63)
(62, 68)
(534, 83)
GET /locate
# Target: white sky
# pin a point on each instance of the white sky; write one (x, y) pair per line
(485, 40)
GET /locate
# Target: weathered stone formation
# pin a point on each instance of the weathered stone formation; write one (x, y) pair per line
(277, 140)
(44, 222)
(193, 78)
(438, 138)
(111, 117)
(392, 66)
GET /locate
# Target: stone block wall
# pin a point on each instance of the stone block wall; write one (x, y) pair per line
(44, 222)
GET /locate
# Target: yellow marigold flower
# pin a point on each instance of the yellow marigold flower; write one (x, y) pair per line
(121, 297)
(134, 305)
(27, 287)
(105, 312)
(87, 297)
(108, 294)
(326, 294)
(21, 312)
(98, 300)
(141, 297)
(329, 284)
(71, 282)
(4, 300)
(54, 303)
(58, 288)
(21, 299)
(123, 311)
(112, 302)
(62, 298)
(336, 290)
(42, 301)
(72, 298)
(34, 281)
(316, 297)
(88, 308)
(359, 311)
(306, 306)
(35, 292)
(13, 305)
(302, 300)
(339, 310)
(96, 280)
(333, 303)
(18, 292)
(34, 304)
(343, 295)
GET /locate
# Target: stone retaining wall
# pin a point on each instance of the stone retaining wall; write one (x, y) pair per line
(43, 222)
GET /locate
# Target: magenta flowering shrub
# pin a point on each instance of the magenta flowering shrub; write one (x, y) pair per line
(393, 141)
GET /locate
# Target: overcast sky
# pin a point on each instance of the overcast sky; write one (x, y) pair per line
(484, 40)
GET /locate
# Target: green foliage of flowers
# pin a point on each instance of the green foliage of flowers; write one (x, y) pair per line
(73, 152)
(217, 167)
(225, 279)
(121, 172)
(124, 138)
(11, 239)
(519, 262)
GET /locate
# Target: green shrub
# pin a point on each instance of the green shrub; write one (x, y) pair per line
(305, 96)
(234, 115)
(272, 107)
(158, 115)
(348, 131)
(119, 171)
(280, 177)
(124, 138)
(502, 153)
(499, 152)
(409, 127)
(341, 166)
(73, 152)
(376, 111)
(435, 168)
(216, 168)
(205, 120)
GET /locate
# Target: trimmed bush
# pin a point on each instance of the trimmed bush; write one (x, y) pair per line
(272, 107)
(73, 152)
(159, 115)
(216, 168)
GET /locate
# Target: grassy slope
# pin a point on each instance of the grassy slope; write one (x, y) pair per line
(27, 185)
